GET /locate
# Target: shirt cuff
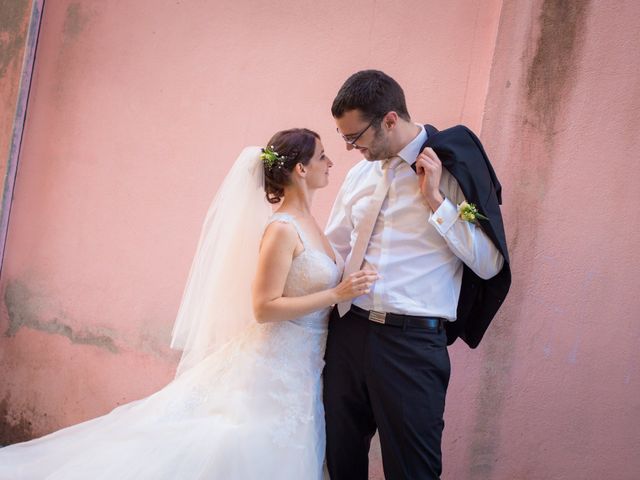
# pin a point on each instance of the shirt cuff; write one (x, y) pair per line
(444, 217)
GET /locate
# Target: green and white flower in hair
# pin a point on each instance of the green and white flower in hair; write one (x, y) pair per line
(469, 212)
(271, 158)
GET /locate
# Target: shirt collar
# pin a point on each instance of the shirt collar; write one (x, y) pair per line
(411, 151)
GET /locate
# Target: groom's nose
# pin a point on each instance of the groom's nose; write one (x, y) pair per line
(349, 146)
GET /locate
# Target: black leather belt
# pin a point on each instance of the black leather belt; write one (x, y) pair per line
(434, 324)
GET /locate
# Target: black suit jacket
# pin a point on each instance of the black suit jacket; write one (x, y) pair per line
(464, 157)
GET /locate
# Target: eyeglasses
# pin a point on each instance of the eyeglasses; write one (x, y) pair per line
(353, 142)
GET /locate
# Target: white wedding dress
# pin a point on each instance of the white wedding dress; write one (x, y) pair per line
(250, 410)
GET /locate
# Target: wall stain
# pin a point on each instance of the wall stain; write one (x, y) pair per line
(14, 428)
(495, 381)
(552, 72)
(74, 21)
(550, 75)
(14, 24)
(21, 307)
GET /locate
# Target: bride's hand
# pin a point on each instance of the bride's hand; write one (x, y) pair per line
(356, 284)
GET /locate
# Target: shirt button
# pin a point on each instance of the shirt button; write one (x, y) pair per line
(439, 220)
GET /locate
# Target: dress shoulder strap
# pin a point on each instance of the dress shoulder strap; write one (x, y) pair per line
(288, 218)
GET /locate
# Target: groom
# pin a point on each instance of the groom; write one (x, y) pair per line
(444, 273)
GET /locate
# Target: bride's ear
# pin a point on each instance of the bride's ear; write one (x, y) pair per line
(300, 169)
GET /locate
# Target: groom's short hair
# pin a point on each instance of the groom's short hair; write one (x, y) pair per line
(372, 92)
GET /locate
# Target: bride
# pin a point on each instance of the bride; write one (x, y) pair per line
(246, 402)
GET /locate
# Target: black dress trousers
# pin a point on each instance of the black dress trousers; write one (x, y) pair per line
(389, 378)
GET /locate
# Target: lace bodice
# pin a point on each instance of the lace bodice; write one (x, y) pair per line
(311, 271)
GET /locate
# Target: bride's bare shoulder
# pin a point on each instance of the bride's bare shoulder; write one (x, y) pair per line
(279, 236)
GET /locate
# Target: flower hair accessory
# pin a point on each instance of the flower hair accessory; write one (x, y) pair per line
(271, 158)
(469, 212)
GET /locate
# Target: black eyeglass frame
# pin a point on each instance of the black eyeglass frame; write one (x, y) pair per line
(353, 142)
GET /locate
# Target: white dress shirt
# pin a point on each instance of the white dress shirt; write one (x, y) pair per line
(419, 253)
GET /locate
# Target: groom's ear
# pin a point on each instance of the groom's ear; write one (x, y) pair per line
(390, 120)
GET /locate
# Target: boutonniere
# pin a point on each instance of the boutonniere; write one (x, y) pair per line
(469, 212)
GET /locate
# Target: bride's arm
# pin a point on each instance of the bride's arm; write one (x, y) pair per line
(274, 261)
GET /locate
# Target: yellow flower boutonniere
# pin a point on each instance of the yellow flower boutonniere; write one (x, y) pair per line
(469, 213)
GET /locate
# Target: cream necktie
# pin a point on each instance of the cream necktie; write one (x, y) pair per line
(365, 226)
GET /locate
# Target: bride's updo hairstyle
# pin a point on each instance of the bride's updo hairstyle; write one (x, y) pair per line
(285, 149)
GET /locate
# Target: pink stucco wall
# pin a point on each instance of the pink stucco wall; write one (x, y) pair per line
(139, 108)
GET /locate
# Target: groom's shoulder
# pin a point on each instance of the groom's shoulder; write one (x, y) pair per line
(454, 131)
(360, 168)
(356, 172)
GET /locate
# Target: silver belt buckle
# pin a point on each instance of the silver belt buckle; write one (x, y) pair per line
(378, 317)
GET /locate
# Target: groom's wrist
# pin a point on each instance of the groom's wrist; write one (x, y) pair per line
(434, 200)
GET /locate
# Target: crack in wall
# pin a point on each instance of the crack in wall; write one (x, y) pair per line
(22, 309)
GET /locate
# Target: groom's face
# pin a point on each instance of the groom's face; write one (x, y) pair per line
(366, 137)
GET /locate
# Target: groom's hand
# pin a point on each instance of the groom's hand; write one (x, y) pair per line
(429, 170)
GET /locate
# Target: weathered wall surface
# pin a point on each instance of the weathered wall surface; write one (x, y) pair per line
(138, 110)
(558, 385)
(14, 22)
